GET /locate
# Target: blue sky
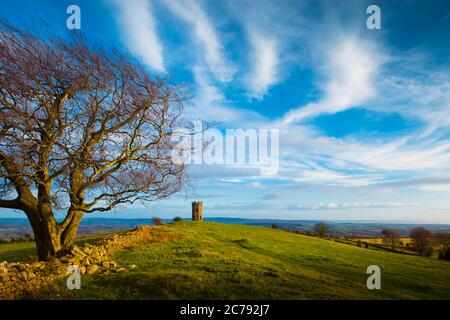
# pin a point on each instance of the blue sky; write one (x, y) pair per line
(363, 115)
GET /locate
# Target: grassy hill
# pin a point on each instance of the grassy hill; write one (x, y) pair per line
(187, 260)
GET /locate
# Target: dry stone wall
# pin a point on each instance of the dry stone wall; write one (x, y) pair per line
(17, 279)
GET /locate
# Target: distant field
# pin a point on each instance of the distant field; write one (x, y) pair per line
(404, 241)
(26, 251)
(380, 240)
(222, 261)
(15, 227)
(18, 227)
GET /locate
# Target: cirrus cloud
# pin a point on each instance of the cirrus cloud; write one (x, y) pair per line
(350, 66)
(138, 29)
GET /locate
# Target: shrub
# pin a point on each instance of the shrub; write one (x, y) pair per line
(157, 221)
(427, 252)
(445, 254)
(321, 229)
(274, 226)
(391, 237)
(21, 239)
(422, 240)
(176, 219)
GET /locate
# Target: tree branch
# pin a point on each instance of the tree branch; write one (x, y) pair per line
(10, 204)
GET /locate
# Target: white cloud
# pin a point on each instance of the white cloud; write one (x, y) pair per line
(210, 104)
(401, 154)
(138, 29)
(350, 67)
(265, 63)
(348, 205)
(232, 180)
(206, 35)
(349, 157)
(334, 178)
(273, 31)
(209, 101)
(425, 96)
(437, 187)
(255, 185)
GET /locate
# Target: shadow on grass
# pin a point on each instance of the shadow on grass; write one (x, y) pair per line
(170, 285)
(135, 286)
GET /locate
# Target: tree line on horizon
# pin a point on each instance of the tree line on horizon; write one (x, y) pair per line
(423, 239)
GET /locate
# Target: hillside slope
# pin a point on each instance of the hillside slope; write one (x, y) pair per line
(187, 260)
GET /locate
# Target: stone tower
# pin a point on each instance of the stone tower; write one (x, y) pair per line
(197, 210)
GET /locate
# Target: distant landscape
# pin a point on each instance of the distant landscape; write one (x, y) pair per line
(17, 227)
(225, 150)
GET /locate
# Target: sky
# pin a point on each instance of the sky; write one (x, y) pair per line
(363, 114)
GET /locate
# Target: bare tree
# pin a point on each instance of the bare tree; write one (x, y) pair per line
(82, 130)
(422, 240)
(321, 229)
(391, 237)
(443, 238)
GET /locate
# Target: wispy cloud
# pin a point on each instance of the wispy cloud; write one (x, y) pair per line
(281, 44)
(424, 96)
(204, 32)
(437, 187)
(210, 104)
(349, 69)
(255, 185)
(265, 63)
(330, 177)
(138, 28)
(209, 100)
(405, 153)
(336, 206)
(272, 34)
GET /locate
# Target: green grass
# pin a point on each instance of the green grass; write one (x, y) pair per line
(18, 252)
(26, 251)
(219, 261)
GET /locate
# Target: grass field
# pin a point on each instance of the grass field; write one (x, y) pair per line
(379, 240)
(26, 251)
(188, 260)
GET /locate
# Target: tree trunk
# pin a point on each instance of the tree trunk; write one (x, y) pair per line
(47, 240)
(53, 239)
(69, 233)
(48, 243)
